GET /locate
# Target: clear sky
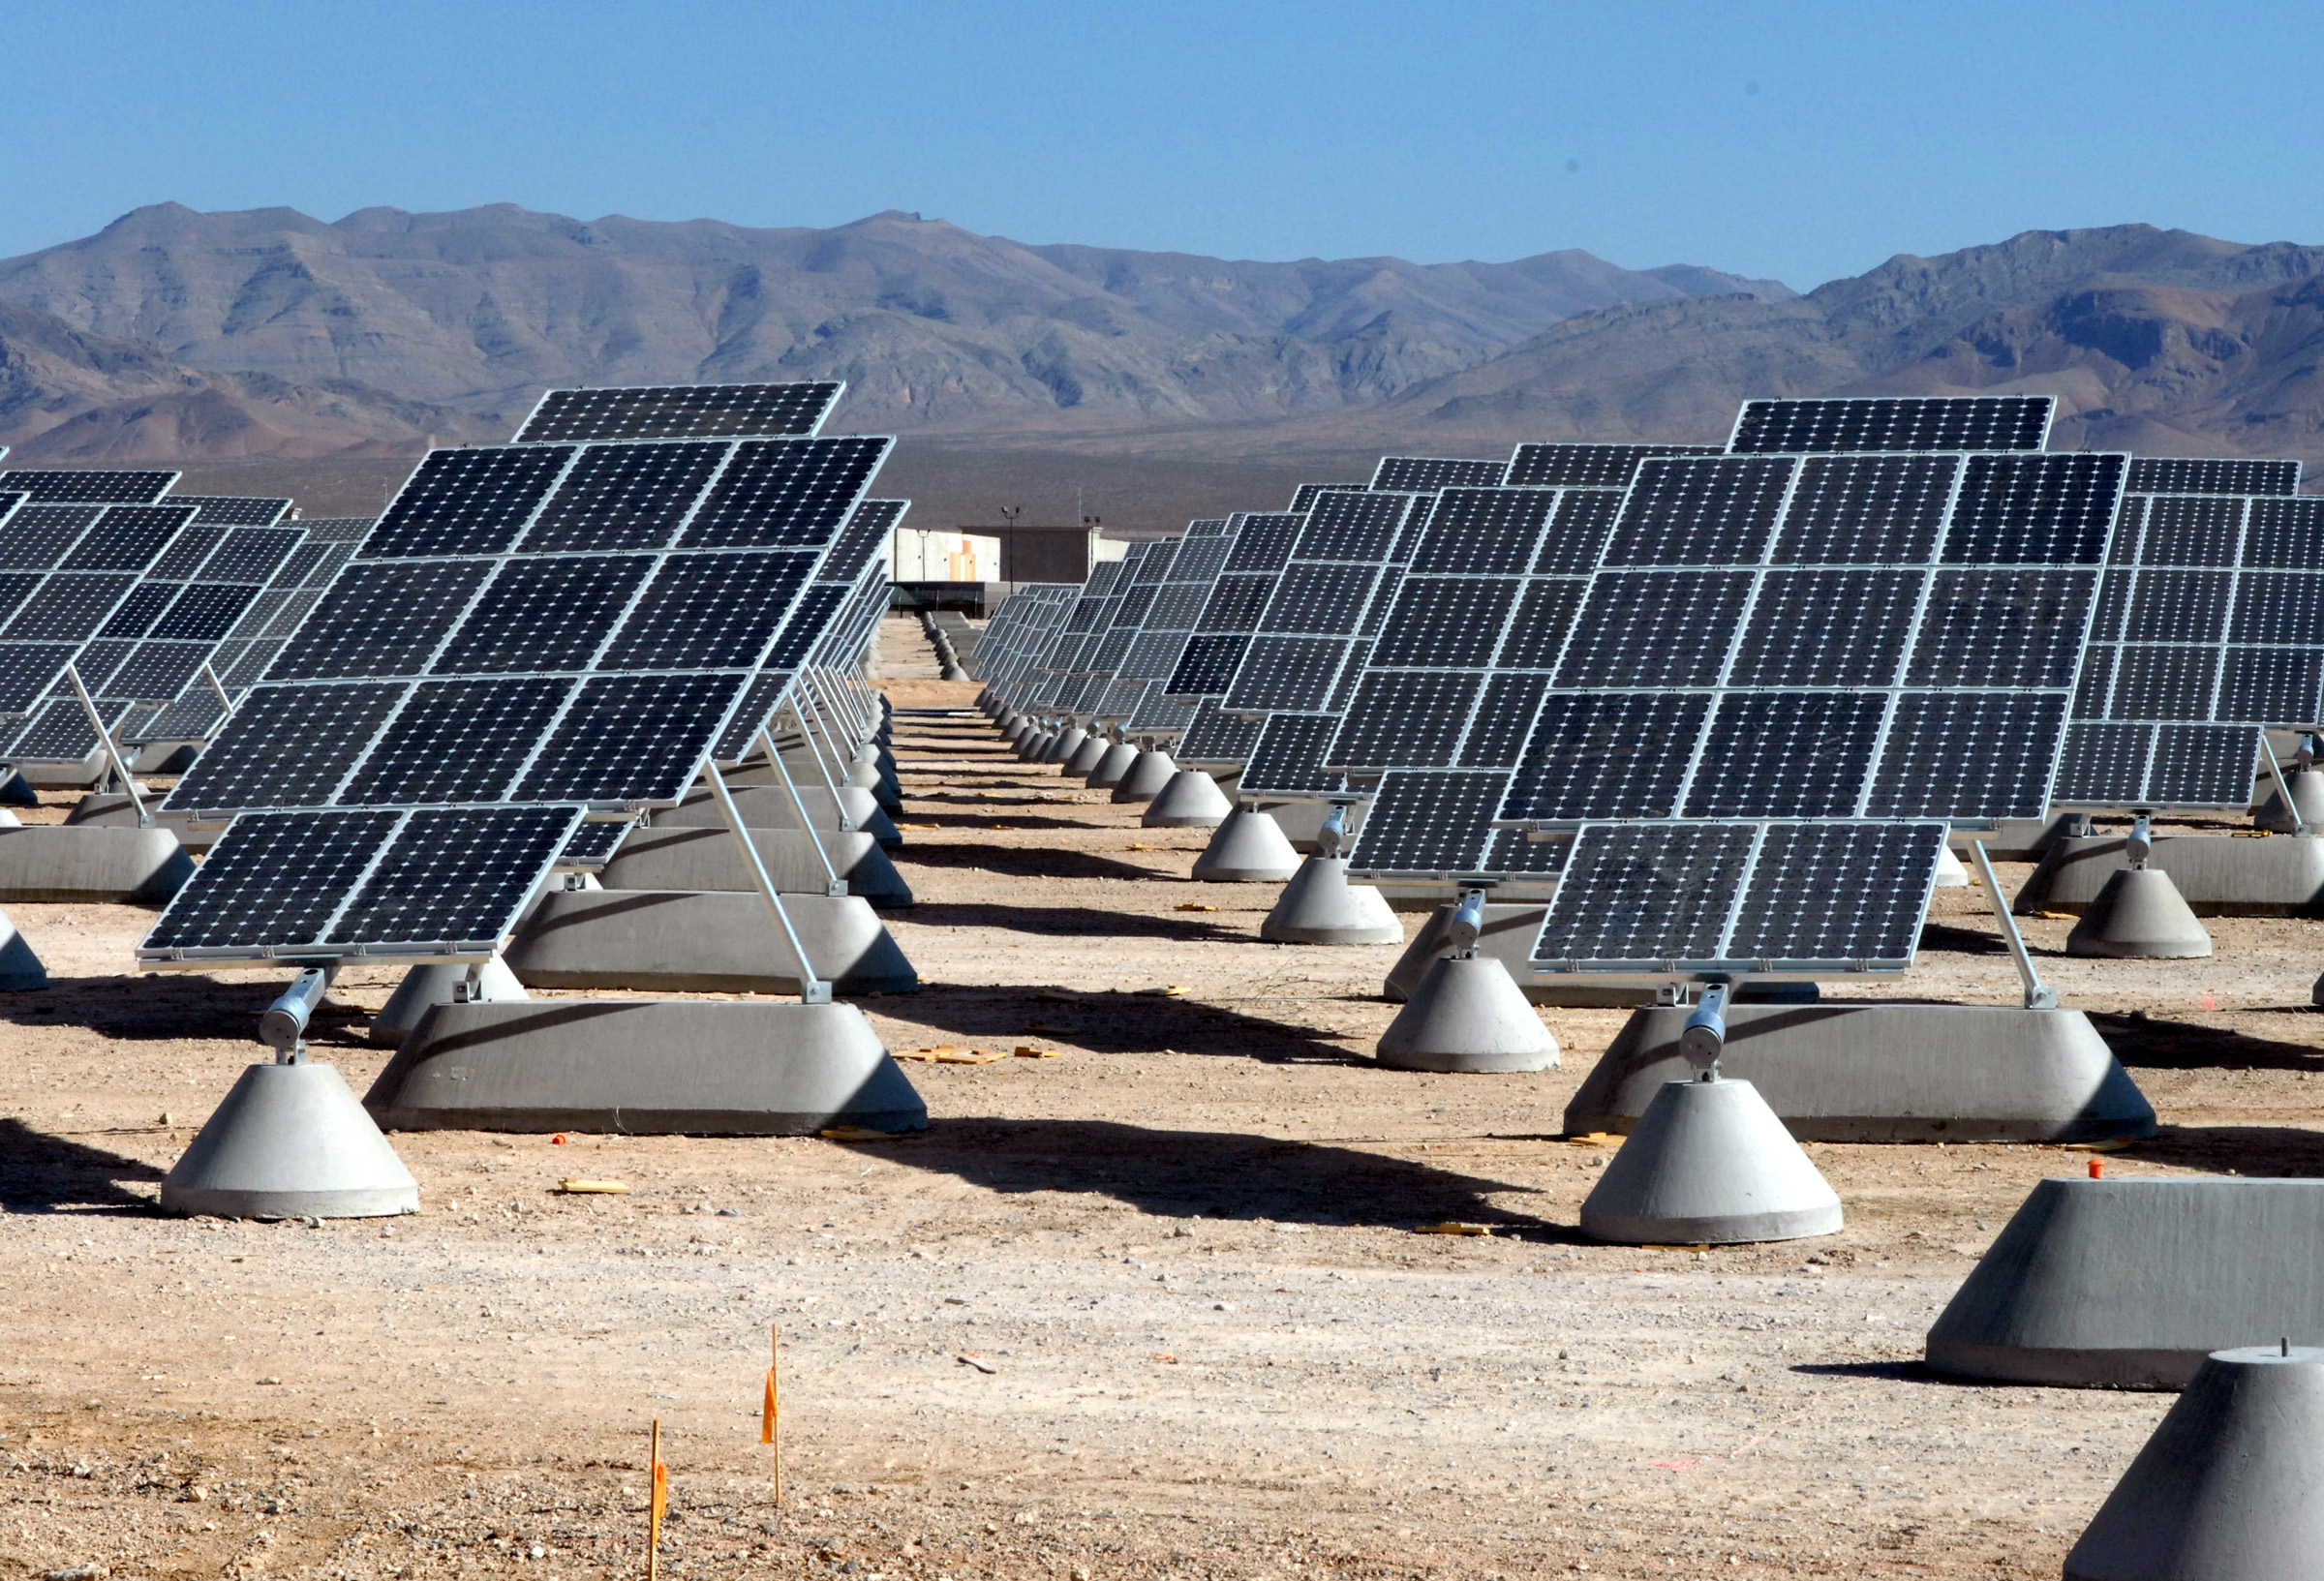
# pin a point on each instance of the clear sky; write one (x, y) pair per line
(1800, 141)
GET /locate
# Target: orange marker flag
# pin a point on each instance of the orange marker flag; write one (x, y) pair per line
(660, 1497)
(770, 1414)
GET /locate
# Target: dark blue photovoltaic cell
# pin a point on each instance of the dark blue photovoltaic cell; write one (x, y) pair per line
(1701, 511)
(1605, 755)
(273, 878)
(1785, 755)
(2006, 422)
(1653, 628)
(687, 411)
(630, 739)
(2046, 509)
(785, 491)
(1867, 510)
(466, 502)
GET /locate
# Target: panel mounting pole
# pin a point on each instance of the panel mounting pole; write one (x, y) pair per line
(836, 884)
(2284, 788)
(225, 701)
(813, 989)
(807, 734)
(2040, 995)
(112, 749)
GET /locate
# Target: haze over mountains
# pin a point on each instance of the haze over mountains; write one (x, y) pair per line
(172, 334)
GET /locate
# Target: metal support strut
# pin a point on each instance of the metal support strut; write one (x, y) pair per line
(111, 751)
(2040, 995)
(2284, 788)
(833, 884)
(813, 990)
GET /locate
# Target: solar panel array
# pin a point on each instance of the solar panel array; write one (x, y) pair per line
(531, 632)
(1094, 633)
(234, 510)
(1018, 635)
(325, 545)
(1841, 653)
(2209, 627)
(685, 411)
(1302, 498)
(1906, 423)
(1588, 466)
(43, 487)
(1426, 474)
(151, 649)
(1463, 658)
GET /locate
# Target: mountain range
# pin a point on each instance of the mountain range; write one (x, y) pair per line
(172, 334)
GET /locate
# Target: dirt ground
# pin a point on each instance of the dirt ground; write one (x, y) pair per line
(1211, 1343)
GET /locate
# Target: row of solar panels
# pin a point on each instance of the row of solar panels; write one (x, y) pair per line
(427, 710)
(1858, 629)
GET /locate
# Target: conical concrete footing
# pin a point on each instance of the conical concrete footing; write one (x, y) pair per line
(953, 672)
(290, 1141)
(1064, 745)
(17, 791)
(1033, 745)
(1319, 907)
(1015, 732)
(426, 986)
(1192, 800)
(1110, 770)
(2232, 1484)
(1467, 1014)
(2308, 794)
(2139, 915)
(1248, 848)
(1709, 1163)
(20, 969)
(1149, 773)
(1950, 874)
(1085, 758)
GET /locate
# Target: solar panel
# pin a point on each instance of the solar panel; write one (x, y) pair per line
(234, 510)
(1302, 498)
(1426, 474)
(2209, 628)
(2164, 474)
(1217, 738)
(453, 668)
(1318, 603)
(687, 411)
(1588, 466)
(2003, 422)
(63, 487)
(77, 600)
(1918, 704)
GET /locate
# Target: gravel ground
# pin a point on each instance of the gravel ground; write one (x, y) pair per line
(1186, 1250)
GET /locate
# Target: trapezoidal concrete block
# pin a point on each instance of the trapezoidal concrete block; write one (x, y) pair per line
(1319, 907)
(664, 941)
(1246, 848)
(21, 968)
(139, 867)
(2231, 1482)
(1508, 938)
(290, 1141)
(1192, 800)
(766, 806)
(2139, 916)
(2307, 798)
(645, 1068)
(2217, 876)
(1709, 1163)
(428, 985)
(2130, 1282)
(1854, 1071)
(707, 858)
(1467, 1016)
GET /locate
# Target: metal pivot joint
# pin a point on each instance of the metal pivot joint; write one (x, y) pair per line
(1333, 831)
(2140, 844)
(1703, 1037)
(283, 1027)
(1467, 924)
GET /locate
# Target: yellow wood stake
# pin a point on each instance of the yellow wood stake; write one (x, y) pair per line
(770, 1421)
(658, 1477)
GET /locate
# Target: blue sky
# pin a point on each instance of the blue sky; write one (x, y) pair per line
(1801, 141)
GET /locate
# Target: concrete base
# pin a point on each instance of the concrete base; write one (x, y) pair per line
(110, 810)
(764, 804)
(1192, 800)
(2217, 876)
(1508, 938)
(1064, 743)
(2130, 1284)
(1033, 745)
(1319, 907)
(1709, 1163)
(1950, 874)
(20, 969)
(655, 941)
(641, 1067)
(1467, 1016)
(290, 1141)
(1149, 775)
(1114, 767)
(708, 859)
(2307, 796)
(1248, 848)
(139, 867)
(158, 757)
(1302, 821)
(1858, 1071)
(17, 791)
(2025, 839)
(1083, 761)
(2230, 1485)
(426, 986)
(2139, 916)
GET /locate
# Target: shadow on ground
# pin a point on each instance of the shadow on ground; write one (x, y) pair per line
(40, 1173)
(1076, 922)
(2145, 1042)
(1211, 1175)
(2261, 1150)
(1962, 941)
(1110, 1023)
(1025, 862)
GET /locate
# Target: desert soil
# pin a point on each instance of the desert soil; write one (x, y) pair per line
(1208, 1339)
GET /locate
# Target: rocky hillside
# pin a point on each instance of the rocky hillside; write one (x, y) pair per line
(2159, 341)
(935, 328)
